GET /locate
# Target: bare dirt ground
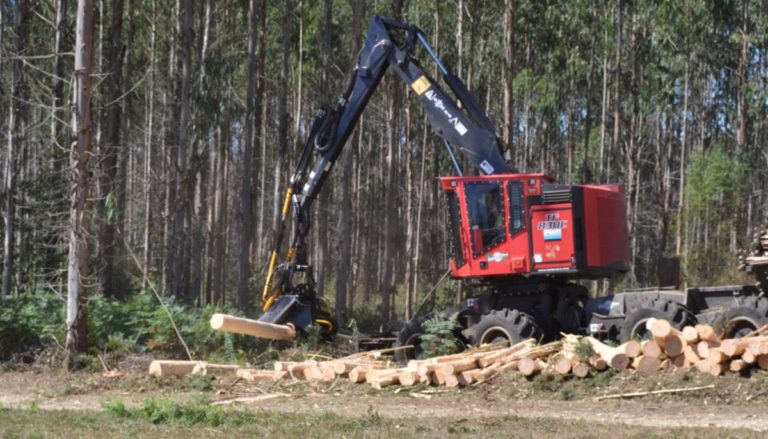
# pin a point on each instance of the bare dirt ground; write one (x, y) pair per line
(736, 403)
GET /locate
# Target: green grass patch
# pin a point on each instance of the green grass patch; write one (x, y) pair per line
(173, 418)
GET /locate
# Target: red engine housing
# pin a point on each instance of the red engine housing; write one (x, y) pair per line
(524, 224)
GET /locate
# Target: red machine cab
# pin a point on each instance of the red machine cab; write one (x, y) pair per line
(524, 224)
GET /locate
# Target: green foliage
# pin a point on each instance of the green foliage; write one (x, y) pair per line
(715, 179)
(548, 383)
(116, 407)
(29, 323)
(172, 411)
(567, 394)
(714, 192)
(583, 350)
(439, 337)
(600, 379)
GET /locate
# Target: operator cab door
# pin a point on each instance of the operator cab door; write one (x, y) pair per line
(487, 212)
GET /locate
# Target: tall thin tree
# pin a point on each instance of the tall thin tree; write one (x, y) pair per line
(246, 196)
(79, 224)
(16, 135)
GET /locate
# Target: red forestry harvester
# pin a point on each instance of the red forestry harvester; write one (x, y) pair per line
(520, 240)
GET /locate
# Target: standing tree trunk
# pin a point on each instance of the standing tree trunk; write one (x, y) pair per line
(16, 127)
(148, 171)
(322, 263)
(246, 197)
(79, 224)
(507, 75)
(617, 86)
(344, 273)
(184, 180)
(259, 178)
(108, 206)
(742, 92)
(57, 85)
(282, 109)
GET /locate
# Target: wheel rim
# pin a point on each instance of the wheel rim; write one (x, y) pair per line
(639, 331)
(739, 327)
(496, 334)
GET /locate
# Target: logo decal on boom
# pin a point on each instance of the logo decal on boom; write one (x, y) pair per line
(420, 85)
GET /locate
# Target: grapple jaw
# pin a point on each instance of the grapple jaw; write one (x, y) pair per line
(289, 309)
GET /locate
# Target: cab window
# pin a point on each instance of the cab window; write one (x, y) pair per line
(485, 205)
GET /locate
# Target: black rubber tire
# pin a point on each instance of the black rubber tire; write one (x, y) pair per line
(748, 314)
(634, 323)
(410, 335)
(510, 324)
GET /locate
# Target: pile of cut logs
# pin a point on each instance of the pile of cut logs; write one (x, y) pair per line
(666, 348)
(700, 347)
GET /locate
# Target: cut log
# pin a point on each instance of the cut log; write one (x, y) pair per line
(374, 375)
(563, 365)
(297, 370)
(426, 369)
(631, 348)
(679, 361)
(716, 356)
(253, 375)
(162, 368)
(451, 381)
(328, 372)
(496, 357)
(748, 357)
(358, 374)
(439, 377)
(484, 374)
(690, 335)
(467, 377)
(319, 372)
(615, 358)
(704, 346)
(215, 369)
(385, 381)
(660, 328)
(408, 377)
(285, 365)
(717, 369)
(344, 367)
(737, 346)
(707, 333)
(527, 366)
(738, 365)
(598, 363)
(581, 370)
(733, 348)
(650, 348)
(312, 373)
(758, 348)
(702, 366)
(762, 362)
(648, 365)
(673, 344)
(690, 354)
(457, 366)
(255, 328)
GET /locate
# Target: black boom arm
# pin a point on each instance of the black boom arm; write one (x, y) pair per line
(473, 133)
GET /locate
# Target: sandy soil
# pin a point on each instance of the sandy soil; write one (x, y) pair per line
(734, 403)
